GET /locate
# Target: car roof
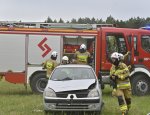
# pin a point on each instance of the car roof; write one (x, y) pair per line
(74, 65)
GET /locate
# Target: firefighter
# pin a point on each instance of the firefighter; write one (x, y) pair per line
(119, 72)
(1, 77)
(82, 56)
(50, 64)
(65, 60)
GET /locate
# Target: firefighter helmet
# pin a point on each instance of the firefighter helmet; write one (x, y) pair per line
(54, 54)
(115, 55)
(65, 58)
(121, 56)
(83, 46)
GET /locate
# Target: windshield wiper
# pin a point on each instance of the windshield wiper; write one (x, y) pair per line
(57, 79)
(67, 78)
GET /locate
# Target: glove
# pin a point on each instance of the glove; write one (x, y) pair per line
(114, 77)
(128, 52)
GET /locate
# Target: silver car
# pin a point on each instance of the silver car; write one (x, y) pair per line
(73, 88)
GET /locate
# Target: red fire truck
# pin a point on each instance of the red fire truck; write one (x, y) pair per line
(24, 48)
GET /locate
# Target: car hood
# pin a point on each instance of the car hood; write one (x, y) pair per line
(69, 85)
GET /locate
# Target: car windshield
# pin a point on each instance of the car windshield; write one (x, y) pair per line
(72, 73)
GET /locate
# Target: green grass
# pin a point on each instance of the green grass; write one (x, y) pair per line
(15, 100)
(140, 105)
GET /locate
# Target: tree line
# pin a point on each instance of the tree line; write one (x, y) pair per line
(135, 22)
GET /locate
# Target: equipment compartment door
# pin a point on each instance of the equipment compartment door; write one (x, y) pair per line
(41, 47)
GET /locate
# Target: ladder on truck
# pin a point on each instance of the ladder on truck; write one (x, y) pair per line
(52, 25)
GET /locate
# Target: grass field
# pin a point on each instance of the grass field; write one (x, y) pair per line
(15, 100)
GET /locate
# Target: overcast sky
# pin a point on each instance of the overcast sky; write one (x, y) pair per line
(39, 10)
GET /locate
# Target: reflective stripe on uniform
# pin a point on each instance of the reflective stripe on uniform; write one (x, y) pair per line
(49, 65)
(124, 85)
(123, 108)
(82, 58)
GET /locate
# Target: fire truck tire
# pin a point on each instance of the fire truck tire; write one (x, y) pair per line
(38, 82)
(140, 84)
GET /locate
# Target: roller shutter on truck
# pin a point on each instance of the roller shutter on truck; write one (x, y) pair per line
(12, 53)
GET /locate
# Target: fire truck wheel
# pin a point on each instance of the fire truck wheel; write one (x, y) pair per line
(140, 84)
(39, 82)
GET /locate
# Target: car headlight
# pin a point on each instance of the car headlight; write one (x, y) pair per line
(93, 93)
(49, 93)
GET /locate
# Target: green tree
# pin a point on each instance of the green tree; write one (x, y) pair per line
(49, 20)
(87, 20)
(74, 21)
(60, 20)
(55, 21)
(93, 21)
(99, 21)
(110, 20)
(67, 21)
(147, 20)
(80, 21)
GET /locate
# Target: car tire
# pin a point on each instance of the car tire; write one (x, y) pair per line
(46, 112)
(38, 82)
(140, 84)
(97, 113)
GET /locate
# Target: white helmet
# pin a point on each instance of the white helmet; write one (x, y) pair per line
(115, 55)
(121, 56)
(54, 54)
(83, 46)
(65, 58)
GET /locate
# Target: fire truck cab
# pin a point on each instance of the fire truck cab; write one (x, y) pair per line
(121, 40)
(24, 48)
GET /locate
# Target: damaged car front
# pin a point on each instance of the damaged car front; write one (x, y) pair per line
(73, 88)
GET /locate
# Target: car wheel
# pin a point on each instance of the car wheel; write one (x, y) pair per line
(140, 84)
(39, 82)
(97, 113)
(90, 113)
(46, 112)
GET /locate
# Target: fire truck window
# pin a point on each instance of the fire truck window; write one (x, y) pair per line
(135, 42)
(115, 42)
(146, 43)
(112, 44)
(122, 46)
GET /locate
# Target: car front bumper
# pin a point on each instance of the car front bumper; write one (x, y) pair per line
(78, 104)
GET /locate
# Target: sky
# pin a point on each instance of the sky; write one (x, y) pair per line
(39, 10)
